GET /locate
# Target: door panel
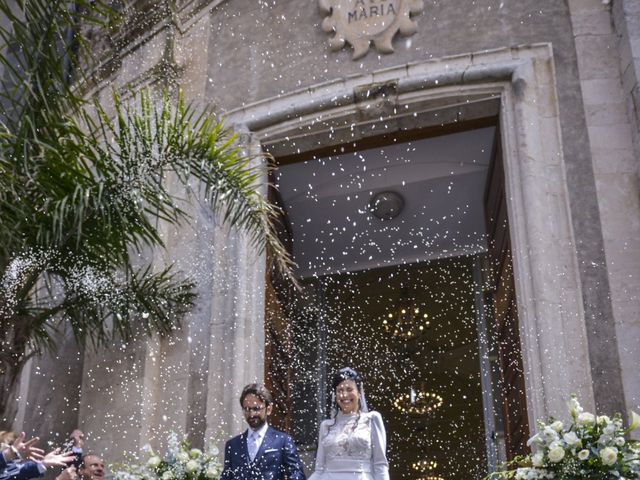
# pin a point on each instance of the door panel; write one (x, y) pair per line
(278, 366)
(506, 331)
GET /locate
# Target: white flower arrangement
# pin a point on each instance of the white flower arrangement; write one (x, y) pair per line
(180, 463)
(591, 447)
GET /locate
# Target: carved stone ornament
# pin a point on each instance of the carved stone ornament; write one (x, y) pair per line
(360, 22)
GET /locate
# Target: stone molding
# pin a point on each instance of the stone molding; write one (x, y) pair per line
(552, 327)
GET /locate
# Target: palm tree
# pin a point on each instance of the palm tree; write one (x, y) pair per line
(82, 191)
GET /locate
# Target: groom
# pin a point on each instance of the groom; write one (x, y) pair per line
(261, 452)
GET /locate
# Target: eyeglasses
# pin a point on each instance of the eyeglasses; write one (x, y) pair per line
(252, 409)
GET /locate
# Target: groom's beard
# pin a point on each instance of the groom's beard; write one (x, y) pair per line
(256, 422)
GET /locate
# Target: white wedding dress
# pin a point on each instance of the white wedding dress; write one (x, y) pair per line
(352, 448)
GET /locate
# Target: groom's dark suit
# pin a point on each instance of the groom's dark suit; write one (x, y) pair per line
(276, 458)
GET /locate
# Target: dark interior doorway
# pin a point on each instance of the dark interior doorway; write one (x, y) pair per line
(357, 272)
(444, 435)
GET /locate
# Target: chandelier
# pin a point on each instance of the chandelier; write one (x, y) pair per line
(418, 402)
(408, 320)
(424, 466)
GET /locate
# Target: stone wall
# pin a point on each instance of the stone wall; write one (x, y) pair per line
(605, 66)
(235, 54)
(626, 26)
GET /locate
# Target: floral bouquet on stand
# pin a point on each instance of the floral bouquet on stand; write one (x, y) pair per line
(180, 463)
(590, 447)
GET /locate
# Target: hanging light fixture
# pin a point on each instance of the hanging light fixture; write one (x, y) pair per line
(408, 320)
(418, 402)
(424, 466)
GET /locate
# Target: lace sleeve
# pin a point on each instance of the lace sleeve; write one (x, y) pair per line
(320, 454)
(379, 463)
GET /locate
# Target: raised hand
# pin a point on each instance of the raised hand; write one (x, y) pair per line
(68, 473)
(27, 450)
(78, 438)
(57, 459)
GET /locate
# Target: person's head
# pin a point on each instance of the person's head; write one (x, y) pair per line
(91, 468)
(256, 403)
(7, 437)
(347, 386)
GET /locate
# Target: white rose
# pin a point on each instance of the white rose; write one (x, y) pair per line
(535, 439)
(549, 435)
(619, 441)
(557, 426)
(168, 475)
(586, 418)
(583, 454)
(537, 460)
(635, 421)
(195, 453)
(603, 420)
(211, 473)
(532, 474)
(609, 455)
(154, 461)
(571, 438)
(556, 454)
(574, 406)
(192, 466)
(604, 439)
(609, 429)
(182, 457)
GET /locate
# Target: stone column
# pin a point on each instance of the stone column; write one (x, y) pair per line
(237, 308)
(607, 69)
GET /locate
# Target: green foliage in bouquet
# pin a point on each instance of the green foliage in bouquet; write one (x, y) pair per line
(181, 462)
(591, 448)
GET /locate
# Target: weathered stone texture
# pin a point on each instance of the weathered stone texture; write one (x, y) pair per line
(245, 57)
(607, 87)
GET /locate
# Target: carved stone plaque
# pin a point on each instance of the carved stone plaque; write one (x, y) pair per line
(360, 22)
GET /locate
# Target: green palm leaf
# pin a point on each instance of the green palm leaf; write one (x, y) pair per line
(82, 189)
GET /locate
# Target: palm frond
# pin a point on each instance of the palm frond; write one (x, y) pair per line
(101, 304)
(84, 186)
(180, 140)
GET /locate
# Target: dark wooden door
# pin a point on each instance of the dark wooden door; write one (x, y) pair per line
(279, 294)
(294, 346)
(505, 328)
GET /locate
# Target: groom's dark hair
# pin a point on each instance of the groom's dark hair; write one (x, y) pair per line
(259, 391)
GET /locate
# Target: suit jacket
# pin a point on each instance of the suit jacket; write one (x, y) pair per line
(276, 459)
(18, 470)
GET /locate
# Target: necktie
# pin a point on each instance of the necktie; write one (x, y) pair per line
(253, 445)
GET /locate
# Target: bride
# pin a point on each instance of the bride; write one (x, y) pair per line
(352, 444)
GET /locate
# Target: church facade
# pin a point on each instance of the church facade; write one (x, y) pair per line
(472, 163)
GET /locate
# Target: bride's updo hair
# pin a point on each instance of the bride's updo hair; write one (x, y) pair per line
(346, 374)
